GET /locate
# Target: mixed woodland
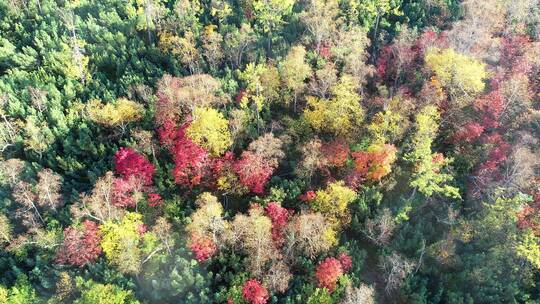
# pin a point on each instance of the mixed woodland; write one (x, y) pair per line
(269, 151)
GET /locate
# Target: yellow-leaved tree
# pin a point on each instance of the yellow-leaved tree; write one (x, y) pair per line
(255, 89)
(390, 124)
(341, 115)
(184, 48)
(294, 71)
(529, 248)
(117, 114)
(461, 75)
(207, 220)
(428, 174)
(210, 130)
(125, 243)
(333, 203)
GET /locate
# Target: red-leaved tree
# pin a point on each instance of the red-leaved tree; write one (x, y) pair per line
(375, 163)
(490, 108)
(279, 217)
(167, 134)
(154, 200)
(345, 260)
(470, 132)
(309, 196)
(135, 179)
(253, 171)
(254, 292)
(80, 246)
(257, 164)
(203, 247)
(527, 218)
(328, 273)
(127, 192)
(498, 154)
(190, 160)
(336, 152)
(128, 163)
(513, 54)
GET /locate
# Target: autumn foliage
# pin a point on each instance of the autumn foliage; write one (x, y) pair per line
(129, 163)
(254, 171)
(490, 108)
(328, 273)
(309, 196)
(189, 160)
(375, 163)
(345, 260)
(336, 152)
(528, 217)
(279, 217)
(254, 292)
(206, 228)
(202, 247)
(497, 155)
(469, 132)
(270, 151)
(135, 180)
(257, 164)
(80, 246)
(127, 192)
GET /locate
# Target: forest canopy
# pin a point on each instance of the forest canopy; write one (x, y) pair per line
(257, 152)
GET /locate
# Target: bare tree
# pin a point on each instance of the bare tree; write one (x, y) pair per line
(278, 276)
(28, 211)
(380, 229)
(395, 269)
(238, 42)
(322, 80)
(253, 235)
(6, 233)
(163, 229)
(79, 61)
(312, 159)
(8, 128)
(321, 19)
(306, 234)
(144, 141)
(474, 35)
(269, 147)
(32, 200)
(37, 97)
(10, 171)
(520, 170)
(48, 189)
(98, 204)
(362, 294)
